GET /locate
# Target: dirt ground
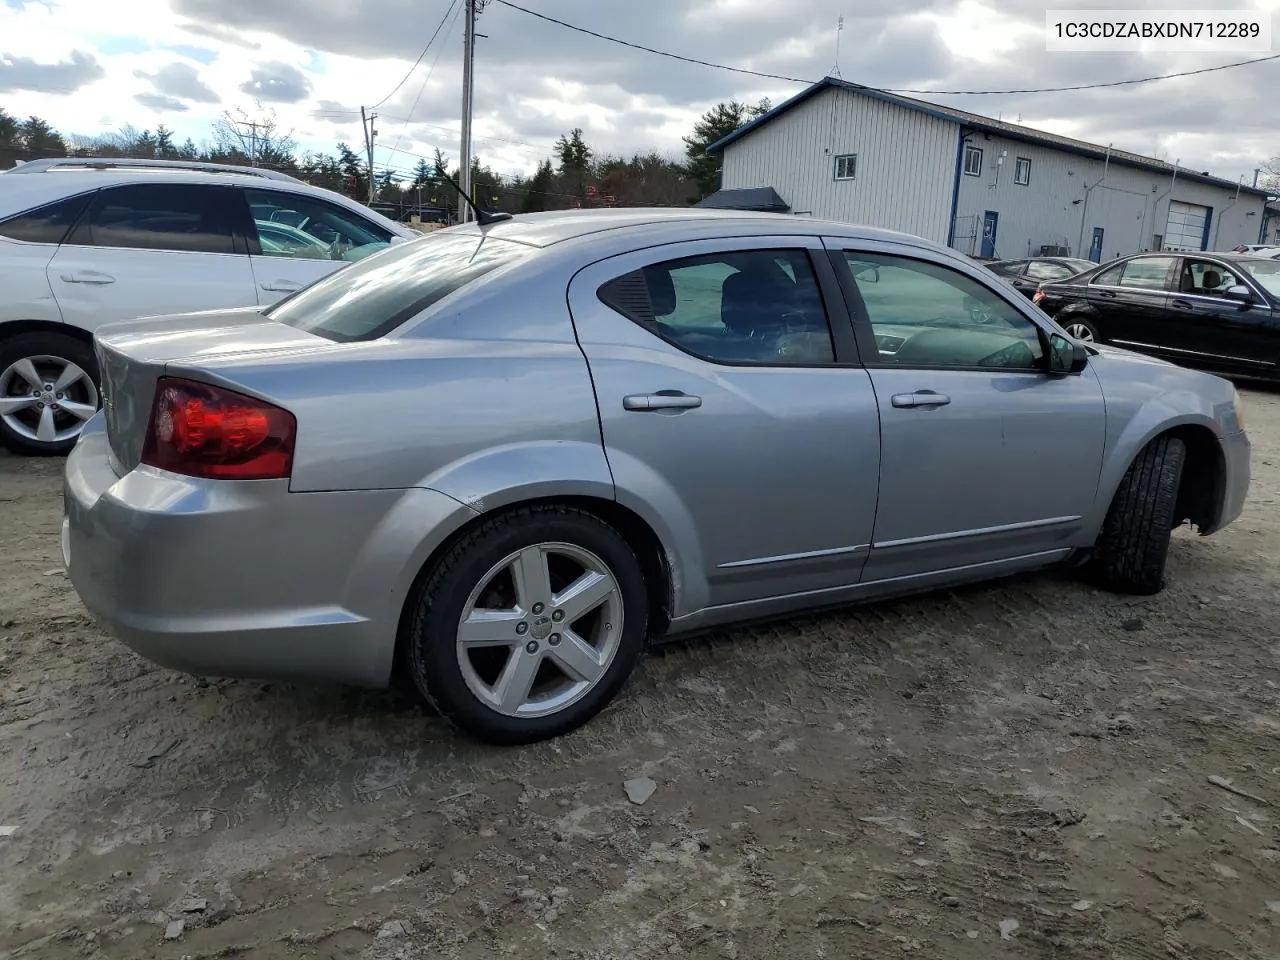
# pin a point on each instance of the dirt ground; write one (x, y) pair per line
(1017, 770)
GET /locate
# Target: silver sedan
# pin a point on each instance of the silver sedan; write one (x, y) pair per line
(501, 458)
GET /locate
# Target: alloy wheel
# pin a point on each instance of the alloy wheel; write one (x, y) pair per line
(1080, 332)
(540, 630)
(46, 399)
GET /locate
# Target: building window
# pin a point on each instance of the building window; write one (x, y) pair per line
(972, 161)
(846, 166)
(1022, 171)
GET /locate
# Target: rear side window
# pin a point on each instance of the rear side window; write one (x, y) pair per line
(47, 224)
(158, 216)
(371, 298)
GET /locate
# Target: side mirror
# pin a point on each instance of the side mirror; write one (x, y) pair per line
(1241, 293)
(1066, 357)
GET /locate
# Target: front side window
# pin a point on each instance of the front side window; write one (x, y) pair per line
(299, 227)
(47, 224)
(1022, 171)
(1146, 273)
(847, 166)
(744, 306)
(973, 161)
(1266, 272)
(373, 297)
(157, 216)
(1206, 279)
(927, 315)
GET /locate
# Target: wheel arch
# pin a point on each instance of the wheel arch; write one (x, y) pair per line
(653, 555)
(1200, 493)
(14, 328)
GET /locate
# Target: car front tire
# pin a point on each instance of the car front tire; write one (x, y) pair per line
(1132, 549)
(48, 390)
(529, 625)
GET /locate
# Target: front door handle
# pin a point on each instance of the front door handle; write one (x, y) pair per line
(1106, 294)
(1181, 304)
(662, 400)
(281, 286)
(921, 398)
(88, 276)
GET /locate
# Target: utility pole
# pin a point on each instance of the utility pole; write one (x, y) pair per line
(253, 142)
(473, 8)
(366, 123)
(1256, 171)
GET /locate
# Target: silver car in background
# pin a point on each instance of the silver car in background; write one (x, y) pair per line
(502, 457)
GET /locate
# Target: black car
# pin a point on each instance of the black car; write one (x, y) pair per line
(1027, 275)
(1213, 310)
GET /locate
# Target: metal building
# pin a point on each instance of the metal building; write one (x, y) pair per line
(844, 152)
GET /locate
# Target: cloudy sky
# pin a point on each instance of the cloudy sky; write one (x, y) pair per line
(91, 66)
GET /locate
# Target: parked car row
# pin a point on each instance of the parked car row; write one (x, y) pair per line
(83, 243)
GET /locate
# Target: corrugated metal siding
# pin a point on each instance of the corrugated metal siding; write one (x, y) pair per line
(1131, 206)
(906, 163)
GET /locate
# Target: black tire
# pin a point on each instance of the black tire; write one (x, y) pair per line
(1084, 323)
(64, 348)
(1133, 547)
(431, 657)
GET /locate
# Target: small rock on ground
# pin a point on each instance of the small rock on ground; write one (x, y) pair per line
(175, 930)
(640, 789)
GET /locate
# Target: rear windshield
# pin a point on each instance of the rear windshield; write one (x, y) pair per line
(371, 298)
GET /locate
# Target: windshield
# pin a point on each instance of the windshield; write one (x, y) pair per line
(1266, 272)
(373, 297)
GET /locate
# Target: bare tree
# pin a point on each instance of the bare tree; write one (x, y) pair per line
(255, 138)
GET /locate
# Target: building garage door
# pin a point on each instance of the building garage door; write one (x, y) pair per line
(1185, 229)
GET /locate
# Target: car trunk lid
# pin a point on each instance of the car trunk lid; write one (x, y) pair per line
(134, 355)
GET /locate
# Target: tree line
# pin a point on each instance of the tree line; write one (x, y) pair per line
(576, 175)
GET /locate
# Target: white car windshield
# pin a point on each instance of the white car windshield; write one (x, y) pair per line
(1266, 272)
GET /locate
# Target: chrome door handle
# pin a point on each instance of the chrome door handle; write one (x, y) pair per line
(281, 286)
(921, 398)
(662, 400)
(1180, 304)
(87, 276)
(1107, 294)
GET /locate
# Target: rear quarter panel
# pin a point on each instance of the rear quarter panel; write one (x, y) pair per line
(25, 293)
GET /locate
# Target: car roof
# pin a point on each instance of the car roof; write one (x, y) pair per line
(19, 193)
(547, 229)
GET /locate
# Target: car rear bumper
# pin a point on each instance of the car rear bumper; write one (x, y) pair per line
(1236, 451)
(245, 579)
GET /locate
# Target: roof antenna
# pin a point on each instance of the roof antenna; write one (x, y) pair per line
(483, 217)
(835, 71)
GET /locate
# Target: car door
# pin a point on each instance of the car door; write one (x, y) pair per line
(731, 402)
(1130, 300)
(147, 249)
(985, 456)
(295, 239)
(1207, 328)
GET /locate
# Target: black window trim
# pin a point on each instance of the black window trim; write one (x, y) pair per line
(85, 197)
(236, 242)
(835, 167)
(865, 330)
(970, 148)
(844, 341)
(1016, 181)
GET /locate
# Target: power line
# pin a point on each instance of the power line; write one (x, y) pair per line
(421, 56)
(430, 70)
(779, 76)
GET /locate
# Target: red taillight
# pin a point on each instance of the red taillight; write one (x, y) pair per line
(204, 431)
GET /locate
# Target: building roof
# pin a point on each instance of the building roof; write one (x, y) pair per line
(974, 121)
(757, 199)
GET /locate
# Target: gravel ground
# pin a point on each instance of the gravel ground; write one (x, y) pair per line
(1014, 770)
